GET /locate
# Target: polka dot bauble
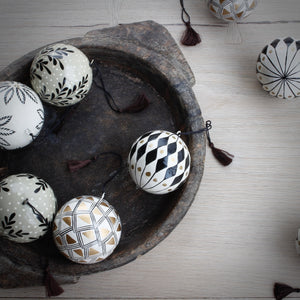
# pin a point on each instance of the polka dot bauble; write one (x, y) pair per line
(61, 74)
(87, 229)
(21, 115)
(231, 10)
(27, 207)
(159, 162)
(278, 68)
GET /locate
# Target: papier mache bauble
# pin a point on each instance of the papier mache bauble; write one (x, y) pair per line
(278, 68)
(21, 115)
(61, 74)
(87, 229)
(231, 10)
(159, 162)
(27, 207)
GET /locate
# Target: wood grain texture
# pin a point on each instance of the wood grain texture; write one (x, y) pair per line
(237, 239)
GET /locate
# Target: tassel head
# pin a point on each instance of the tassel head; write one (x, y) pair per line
(282, 290)
(52, 286)
(224, 157)
(190, 37)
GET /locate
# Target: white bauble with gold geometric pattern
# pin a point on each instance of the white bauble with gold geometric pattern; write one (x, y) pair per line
(159, 162)
(87, 229)
(231, 10)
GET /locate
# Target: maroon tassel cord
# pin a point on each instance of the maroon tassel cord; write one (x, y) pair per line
(282, 290)
(52, 286)
(224, 157)
(139, 104)
(190, 37)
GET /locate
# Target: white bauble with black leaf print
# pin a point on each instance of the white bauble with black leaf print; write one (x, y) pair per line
(159, 162)
(278, 68)
(21, 115)
(27, 207)
(87, 229)
(231, 10)
(61, 74)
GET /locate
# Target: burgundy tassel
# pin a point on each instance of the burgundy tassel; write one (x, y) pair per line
(75, 165)
(52, 286)
(140, 103)
(190, 37)
(224, 157)
(282, 290)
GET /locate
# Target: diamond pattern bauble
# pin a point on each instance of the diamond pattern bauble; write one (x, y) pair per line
(21, 115)
(231, 10)
(27, 207)
(61, 74)
(159, 162)
(87, 229)
(278, 68)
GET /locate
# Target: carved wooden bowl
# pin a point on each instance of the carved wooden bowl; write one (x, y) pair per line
(139, 58)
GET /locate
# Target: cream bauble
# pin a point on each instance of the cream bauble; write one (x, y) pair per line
(61, 74)
(231, 10)
(159, 162)
(87, 229)
(21, 115)
(27, 207)
(278, 68)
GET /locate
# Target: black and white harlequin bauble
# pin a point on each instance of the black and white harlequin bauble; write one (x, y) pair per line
(61, 74)
(278, 68)
(159, 162)
(27, 207)
(231, 10)
(87, 229)
(21, 115)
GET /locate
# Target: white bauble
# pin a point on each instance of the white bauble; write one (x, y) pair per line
(231, 10)
(87, 229)
(27, 207)
(21, 115)
(159, 162)
(61, 74)
(278, 68)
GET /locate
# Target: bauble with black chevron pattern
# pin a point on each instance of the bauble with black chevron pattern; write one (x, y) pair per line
(159, 162)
